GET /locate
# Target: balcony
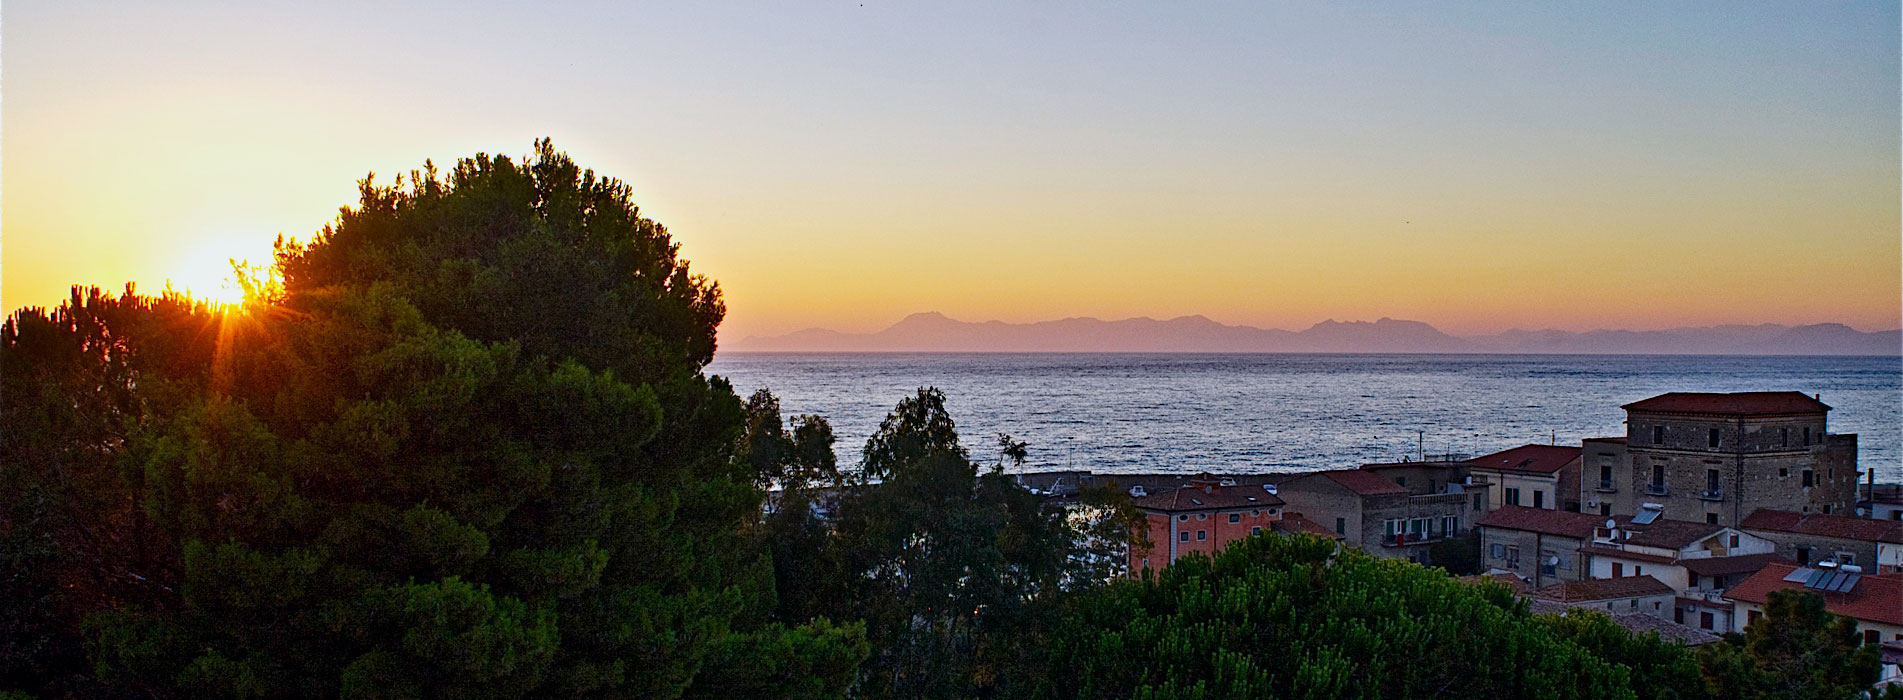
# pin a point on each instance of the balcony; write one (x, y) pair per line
(1605, 486)
(1414, 538)
(1712, 495)
(1656, 490)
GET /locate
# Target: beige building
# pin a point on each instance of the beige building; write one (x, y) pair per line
(1533, 476)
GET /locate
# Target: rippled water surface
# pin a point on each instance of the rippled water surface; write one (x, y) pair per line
(1238, 413)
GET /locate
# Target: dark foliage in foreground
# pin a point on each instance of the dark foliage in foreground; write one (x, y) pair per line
(466, 451)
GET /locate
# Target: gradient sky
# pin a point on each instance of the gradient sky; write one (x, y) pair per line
(1478, 166)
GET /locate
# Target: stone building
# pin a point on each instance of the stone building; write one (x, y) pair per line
(1874, 545)
(1715, 458)
(1397, 510)
(1541, 546)
(1874, 601)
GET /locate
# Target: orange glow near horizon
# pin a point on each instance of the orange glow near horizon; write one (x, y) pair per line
(1475, 168)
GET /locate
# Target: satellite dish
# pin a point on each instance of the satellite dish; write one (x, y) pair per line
(1553, 561)
(1611, 524)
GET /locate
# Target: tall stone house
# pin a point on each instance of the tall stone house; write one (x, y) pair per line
(1397, 510)
(1716, 458)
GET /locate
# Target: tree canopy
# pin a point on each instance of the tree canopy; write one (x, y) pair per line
(465, 450)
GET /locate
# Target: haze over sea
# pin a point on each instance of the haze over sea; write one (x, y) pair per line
(1112, 413)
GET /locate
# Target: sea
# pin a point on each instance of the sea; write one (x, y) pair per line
(1266, 413)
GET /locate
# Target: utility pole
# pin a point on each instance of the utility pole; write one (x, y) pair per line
(1421, 445)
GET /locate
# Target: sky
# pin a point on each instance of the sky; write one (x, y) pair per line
(1477, 166)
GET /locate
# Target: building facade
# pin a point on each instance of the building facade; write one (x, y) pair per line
(1202, 517)
(1398, 510)
(1715, 458)
(1534, 476)
(1874, 545)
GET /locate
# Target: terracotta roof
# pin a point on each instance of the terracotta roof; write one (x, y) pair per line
(1751, 403)
(1297, 523)
(1604, 589)
(1215, 497)
(1543, 459)
(1818, 524)
(1875, 598)
(1616, 553)
(1634, 622)
(1721, 566)
(1511, 581)
(1549, 522)
(1363, 483)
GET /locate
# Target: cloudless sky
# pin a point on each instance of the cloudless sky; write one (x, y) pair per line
(1477, 166)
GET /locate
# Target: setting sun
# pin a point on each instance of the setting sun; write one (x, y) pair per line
(207, 271)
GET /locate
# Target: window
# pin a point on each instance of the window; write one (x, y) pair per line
(1202, 535)
(1803, 556)
(1691, 580)
(1847, 558)
(1202, 516)
(1539, 498)
(1183, 536)
(1658, 434)
(1605, 477)
(1450, 525)
(1513, 556)
(1752, 616)
(1678, 615)
(1498, 550)
(1807, 435)
(1712, 441)
(1341, 526)
(1783, 437)
(1711, 480)
(1638, 569)
(1480, 501)
(1734, 542)
(1235, 517)
(1605, 508)
(1513, 496)
(1618, 570)
(1658, 475)
(1872, 637)
(1402, 480)
(1182, 518)
(1633, 604)
(1810, 478)
(1783, 472)
(1255, 530)
(1704, 620)
(1711, 518)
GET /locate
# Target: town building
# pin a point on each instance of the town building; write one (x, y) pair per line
(1810, 538)
(1697, 560)
(1398, 510)
(1535, 476)
(1875, 601)
(1880, 501)
(1543, 546)
(1201, 517)
(1715, 458)
(1631, 594)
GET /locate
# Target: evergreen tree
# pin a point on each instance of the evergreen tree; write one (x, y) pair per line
(466, 450)
(1797, 650)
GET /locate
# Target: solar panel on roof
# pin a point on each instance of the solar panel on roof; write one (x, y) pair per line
(1645, 517)
(1799, 575)
(1846, 582)
(1821, 579)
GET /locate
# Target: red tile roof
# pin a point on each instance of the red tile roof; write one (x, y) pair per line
(1752, 403)
(1723, 566)
(1874, 598)
(1604, 589)
(1215, 497)
(1364, 483)
(1820, 525)
(1542, 459)
(1549, 522)
(1297, 523)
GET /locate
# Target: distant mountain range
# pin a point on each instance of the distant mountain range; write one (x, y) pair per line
(934, 332)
